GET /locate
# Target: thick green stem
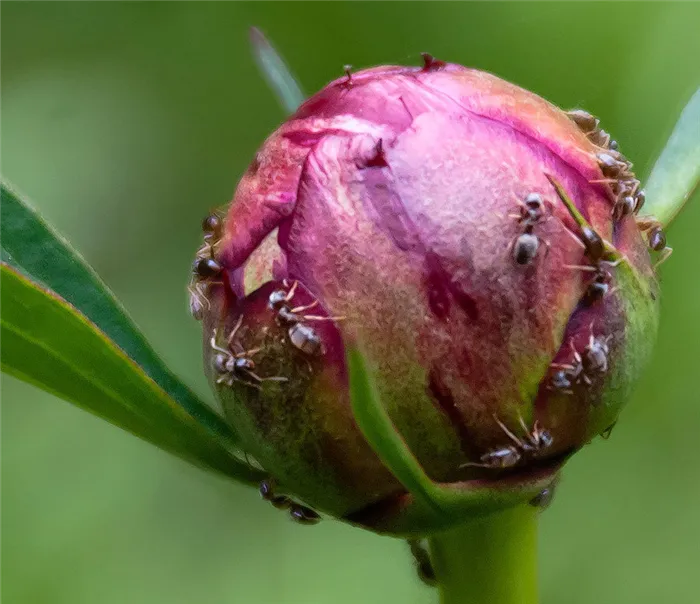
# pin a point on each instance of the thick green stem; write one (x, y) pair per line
(489, 560)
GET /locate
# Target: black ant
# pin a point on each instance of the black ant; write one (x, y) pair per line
(655, 237)
(206, 269)
(585, 367)
(510, 455)
(297, 512)
(302, 336)
(602, 278)
(303, 515)
(421, 557)
(526, 245)
(586, 122)
(545, 497)
(237, 367)
(267, 492)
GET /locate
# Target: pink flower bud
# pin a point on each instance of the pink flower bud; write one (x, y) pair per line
(414, 212)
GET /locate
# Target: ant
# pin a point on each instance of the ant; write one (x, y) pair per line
(586, 122)
(303, 515)
(281, 502)
(600, 285)
(532, 212)
(236, 367)
(205, 269)
(612, 167)
(421, 557)
(545, 497)
(297, 512)
(585, 367)
(303, 337)
(601, 138)
(510, 455)
(630, 199)
(655, 237)
(624, 206)
(594, 246)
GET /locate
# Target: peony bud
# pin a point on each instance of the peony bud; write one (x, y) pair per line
(477, 243)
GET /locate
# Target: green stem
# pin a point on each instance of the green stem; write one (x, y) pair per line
(489, 560)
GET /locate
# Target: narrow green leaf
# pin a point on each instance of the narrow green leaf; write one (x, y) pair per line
(32, 246)
(47, 342)
(276, 72)
(676, 174)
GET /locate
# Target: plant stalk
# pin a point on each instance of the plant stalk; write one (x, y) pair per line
(488, 560)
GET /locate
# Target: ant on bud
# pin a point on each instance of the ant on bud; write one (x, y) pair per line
(237, 366)
(545, 497)
(297, 512)
(602, 278)
(586, 366)
(267, 492)
(421, 557)
(655, 237)
(302, 336)
(586, 122)
(612, 167)
(508, 456)
(532, 212)
(206, 270)
(303, 515)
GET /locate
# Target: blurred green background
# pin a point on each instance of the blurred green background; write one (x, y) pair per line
(127, 122)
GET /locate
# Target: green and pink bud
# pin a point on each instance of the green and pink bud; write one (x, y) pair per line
(477, 244)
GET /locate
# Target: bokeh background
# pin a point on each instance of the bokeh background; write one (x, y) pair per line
(127, 122)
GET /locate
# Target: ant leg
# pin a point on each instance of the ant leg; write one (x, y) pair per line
(257, 378)
(196, 290)
(644, 224)
(318, 318)
(291, 292)
(218, 348)
(510, 435)
(574, 236)
(248, 353)
(472, 464)
(235, 329)
(561, 366)
(527, 431)
(303, 308)
(664, 255)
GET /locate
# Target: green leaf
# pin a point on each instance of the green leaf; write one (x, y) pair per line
(676, 174)
(434, 501)
(47, 342)
(32, 246)
(276, 72)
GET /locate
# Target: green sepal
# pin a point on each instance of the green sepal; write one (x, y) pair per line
(428, 506)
